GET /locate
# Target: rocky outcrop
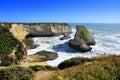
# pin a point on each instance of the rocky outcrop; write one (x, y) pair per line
(43, 56)
(43, 29)
(22, 30)
(82, 40)
(18, 54)
(65, 36)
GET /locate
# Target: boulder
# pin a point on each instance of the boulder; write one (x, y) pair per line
(82, 40)
(43, 56)
(65, 36)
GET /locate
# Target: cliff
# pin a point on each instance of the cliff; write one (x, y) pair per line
(41, 29)
(11, 49)
(13, 36)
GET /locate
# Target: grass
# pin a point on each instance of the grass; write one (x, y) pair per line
(42, 68)
(84, 32)
(16, 73)
(101, 68)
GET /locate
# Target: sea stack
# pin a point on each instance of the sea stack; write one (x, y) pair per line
(82, 40)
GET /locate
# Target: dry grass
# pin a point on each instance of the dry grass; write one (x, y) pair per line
(27, 64)
(102, 68)
(43, 75)
(36, 57)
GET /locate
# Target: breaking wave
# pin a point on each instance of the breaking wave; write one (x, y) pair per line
(107, 42)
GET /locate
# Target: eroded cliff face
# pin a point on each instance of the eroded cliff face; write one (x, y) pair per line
(40, 29)
(11, 49)
(19, 31)
(23, 30)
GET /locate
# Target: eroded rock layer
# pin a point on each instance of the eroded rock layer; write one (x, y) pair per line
(43, 29)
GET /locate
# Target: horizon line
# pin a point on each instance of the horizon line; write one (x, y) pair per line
(59, 22)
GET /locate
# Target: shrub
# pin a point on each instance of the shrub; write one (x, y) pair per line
(51, 68)
(37, 68)
(72, 62)
(16, 73)
(42, 68)
(18, 56)
(7, 41)
(8, 25)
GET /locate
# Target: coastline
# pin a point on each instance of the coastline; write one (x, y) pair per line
(107, 45)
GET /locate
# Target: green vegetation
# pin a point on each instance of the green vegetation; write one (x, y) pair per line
(7, 41)
(8, 25)
(73, 62)
(18, 56)
(29, 43)
(16, 73)
(102, 68)
(84, 32)
(42, 68)
(5, 24)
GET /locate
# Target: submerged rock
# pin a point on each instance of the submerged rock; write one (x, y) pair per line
(65, 36)
(82, 40)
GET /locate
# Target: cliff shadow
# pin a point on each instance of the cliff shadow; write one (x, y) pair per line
(63, 48)
(33, 35)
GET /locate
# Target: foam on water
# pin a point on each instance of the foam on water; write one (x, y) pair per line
(106, 43)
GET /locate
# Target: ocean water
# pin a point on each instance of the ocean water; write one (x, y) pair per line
(107, 37)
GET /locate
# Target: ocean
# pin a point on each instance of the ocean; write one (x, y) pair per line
(107, 37)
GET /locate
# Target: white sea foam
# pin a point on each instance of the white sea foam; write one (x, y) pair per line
(106, 44)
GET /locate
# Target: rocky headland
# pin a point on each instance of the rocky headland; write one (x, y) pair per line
(22, 33)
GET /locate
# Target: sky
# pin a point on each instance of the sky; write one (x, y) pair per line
(72, 11)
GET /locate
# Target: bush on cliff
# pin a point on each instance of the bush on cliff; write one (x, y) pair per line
(16, 73)
(7, 44)
(84, 32)
(72, 62)
(7, 41)
(18, 56)
(8, 25)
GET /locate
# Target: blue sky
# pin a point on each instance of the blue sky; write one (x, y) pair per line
(83, 11)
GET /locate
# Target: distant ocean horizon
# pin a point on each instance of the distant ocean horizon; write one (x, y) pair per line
(107, 37)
